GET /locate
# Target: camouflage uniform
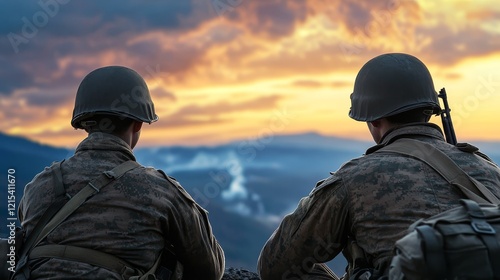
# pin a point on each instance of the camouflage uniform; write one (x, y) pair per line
(130, 218)
(372, 200)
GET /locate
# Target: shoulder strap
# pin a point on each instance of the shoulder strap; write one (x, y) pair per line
(60, 209)
(59, 189)
(47, 215)
(88, 191)
(445, 166)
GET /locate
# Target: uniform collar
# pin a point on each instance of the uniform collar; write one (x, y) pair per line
(413, 130)
(107, 142)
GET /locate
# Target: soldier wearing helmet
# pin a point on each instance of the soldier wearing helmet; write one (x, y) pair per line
(369, 202)
(138, 217)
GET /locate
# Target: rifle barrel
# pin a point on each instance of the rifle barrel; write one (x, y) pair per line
(449, 131)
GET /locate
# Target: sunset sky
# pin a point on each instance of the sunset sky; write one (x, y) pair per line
(224, 70)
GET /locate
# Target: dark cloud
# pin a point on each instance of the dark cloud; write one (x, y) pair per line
(77, 18)
(355, 15)
(449, 47)
(272, 18)
(278, 18)
(12, 76)
(359, 16)
(37, 69)
(48, 98)
(12, 14)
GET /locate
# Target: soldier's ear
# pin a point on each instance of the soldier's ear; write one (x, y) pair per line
(137, 126)
(375, 123)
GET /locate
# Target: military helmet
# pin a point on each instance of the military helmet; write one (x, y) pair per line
(113, 90)
(390, 84)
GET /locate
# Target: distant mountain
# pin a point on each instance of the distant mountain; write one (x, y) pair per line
(247, 186)
(246, 176)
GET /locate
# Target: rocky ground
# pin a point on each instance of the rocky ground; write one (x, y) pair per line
(239, 274)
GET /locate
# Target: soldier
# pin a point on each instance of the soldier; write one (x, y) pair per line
(368, 204)
(137, 217)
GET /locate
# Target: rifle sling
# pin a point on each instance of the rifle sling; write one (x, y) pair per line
(443, 165)
(89, 190)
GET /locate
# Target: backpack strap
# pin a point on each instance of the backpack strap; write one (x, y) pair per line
(433, 252)
(486, 232)
(60, 209)
(445, 166)
(59, 188)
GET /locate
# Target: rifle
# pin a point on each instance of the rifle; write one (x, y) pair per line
(449, 131)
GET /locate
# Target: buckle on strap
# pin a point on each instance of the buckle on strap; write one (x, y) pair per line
(110, 174)
(94, 187)
(483, 227)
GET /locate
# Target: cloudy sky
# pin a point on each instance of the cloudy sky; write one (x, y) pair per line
(221, 70)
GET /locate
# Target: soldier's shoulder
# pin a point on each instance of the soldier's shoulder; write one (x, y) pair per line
(152, 174)
(356, 165)
(347, 171)
(333, 180)
(162, 178)
(46, 173)
(373, 162)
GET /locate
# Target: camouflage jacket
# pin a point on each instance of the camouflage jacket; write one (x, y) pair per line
(370, 200)
(131, 218)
